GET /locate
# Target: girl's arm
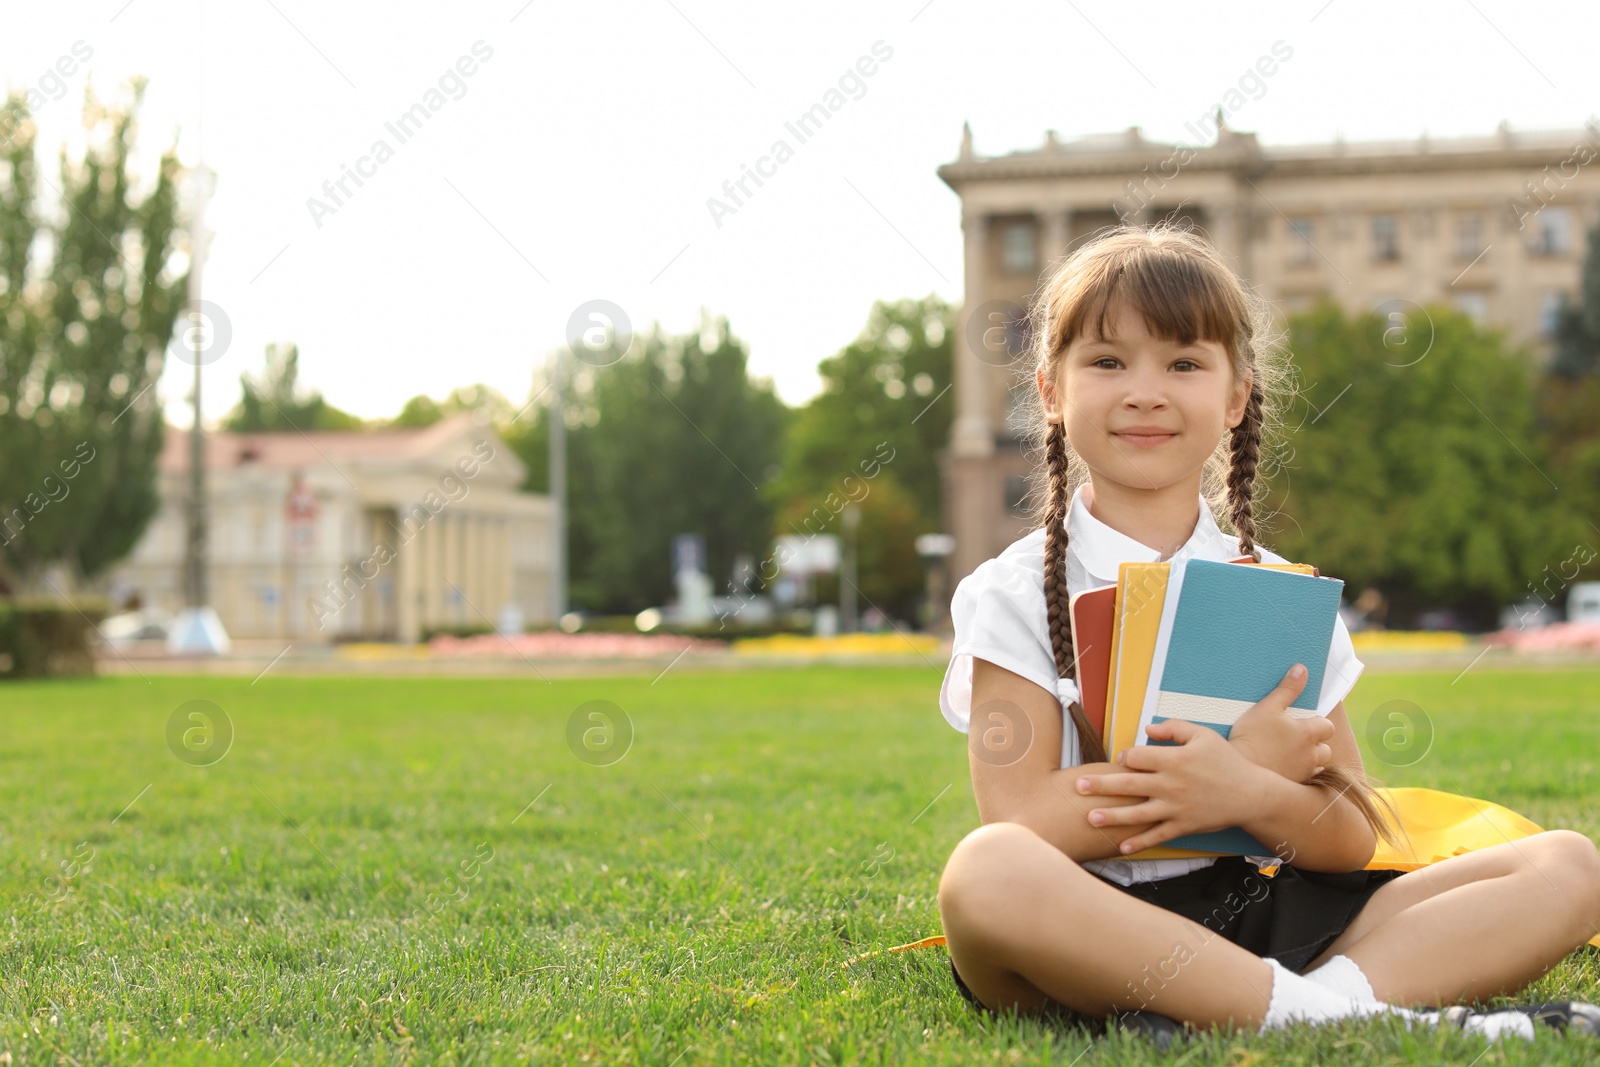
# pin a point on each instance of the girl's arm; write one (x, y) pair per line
(1014, 749)
(1202, 783)
(1312, 826)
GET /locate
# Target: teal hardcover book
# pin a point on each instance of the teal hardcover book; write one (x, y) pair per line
(1228, 635)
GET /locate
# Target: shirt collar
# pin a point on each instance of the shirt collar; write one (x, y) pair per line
(1101, 549)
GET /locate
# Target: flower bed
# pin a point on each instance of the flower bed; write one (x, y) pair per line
(1407, 640)
(553, 645)
(1557, 637)
(879, 644)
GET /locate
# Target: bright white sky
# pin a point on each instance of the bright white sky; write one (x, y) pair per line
(578, 163)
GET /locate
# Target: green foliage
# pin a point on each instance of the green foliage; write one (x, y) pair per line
(422, 410)
(1425, 476)
(277, 403)
(884, 393)
(1569, 401)
(42, 636)
(889, 571)
(881, 387)
(671, 438)
(88, 301)
(1577, 336)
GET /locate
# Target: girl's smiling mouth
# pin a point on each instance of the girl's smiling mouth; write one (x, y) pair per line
(1145, 440)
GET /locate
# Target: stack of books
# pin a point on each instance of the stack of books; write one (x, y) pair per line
(1202, 641)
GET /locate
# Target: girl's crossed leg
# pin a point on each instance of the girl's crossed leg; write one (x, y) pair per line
(1481, 924)
(1025, 925)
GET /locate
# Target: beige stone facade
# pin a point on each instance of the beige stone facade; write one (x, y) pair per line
(1494, 225)
(373, 535)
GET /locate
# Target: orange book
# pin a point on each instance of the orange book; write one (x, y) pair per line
(1092, 615)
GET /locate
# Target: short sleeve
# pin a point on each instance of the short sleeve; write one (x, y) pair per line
(1342, 671)
(998, 612)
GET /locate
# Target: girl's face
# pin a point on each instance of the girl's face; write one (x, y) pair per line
(1143, 412)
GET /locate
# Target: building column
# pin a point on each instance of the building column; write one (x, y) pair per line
(1222, 220)
(499, 590)
(969, 512)
(407, 622)
(972, 433)
(431, 542)
(1057, 235)
(480, 569)
(451, 576)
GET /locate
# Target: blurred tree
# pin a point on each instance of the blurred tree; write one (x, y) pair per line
(1577, 334)
(673, 437)
(890, 386)
(88, 303)
(276, 402)
(1569, 402)
(423, 410)
(1425, 476)
(888, 570)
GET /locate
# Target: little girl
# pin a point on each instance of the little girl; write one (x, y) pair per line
(1157, 385)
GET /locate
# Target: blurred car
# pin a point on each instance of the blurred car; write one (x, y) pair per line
(1583, 602)
(147, 624)
(1439, 619)
(1529, 614)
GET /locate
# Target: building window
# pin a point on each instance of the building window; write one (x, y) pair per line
(1301, 250)
(1550, 311)
(1551, 232)
(1019, 252)
(1385, 237)
(1475, 305)
(1469, 237)
(1017, 494)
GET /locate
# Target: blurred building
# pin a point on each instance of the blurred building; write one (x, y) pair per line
(350, 534)
(1492, 225)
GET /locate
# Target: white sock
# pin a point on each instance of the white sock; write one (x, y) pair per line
(1336, 995)
(1296, 998)
(1342, 975)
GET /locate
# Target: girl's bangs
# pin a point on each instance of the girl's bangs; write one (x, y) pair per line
(1179, 297)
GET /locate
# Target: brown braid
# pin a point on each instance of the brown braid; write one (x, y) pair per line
(1243, 454)
(1090, 747)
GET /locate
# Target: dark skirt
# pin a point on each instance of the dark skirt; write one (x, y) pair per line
(1291, 915)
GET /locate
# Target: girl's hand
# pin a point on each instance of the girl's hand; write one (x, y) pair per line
(1293, 746)
(1201, 784)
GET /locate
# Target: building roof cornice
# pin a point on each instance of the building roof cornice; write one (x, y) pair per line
(1118, 154)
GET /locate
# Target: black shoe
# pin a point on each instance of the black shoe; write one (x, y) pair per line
(1160, 1030)
(1563, 1016)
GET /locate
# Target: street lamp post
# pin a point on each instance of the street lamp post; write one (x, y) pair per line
(558, 489)
(847, 586)
(197, 628)
(935, 549)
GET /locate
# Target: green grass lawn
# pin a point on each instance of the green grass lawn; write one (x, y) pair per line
(404, 870)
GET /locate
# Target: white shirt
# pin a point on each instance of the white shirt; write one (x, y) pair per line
(999, 615)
